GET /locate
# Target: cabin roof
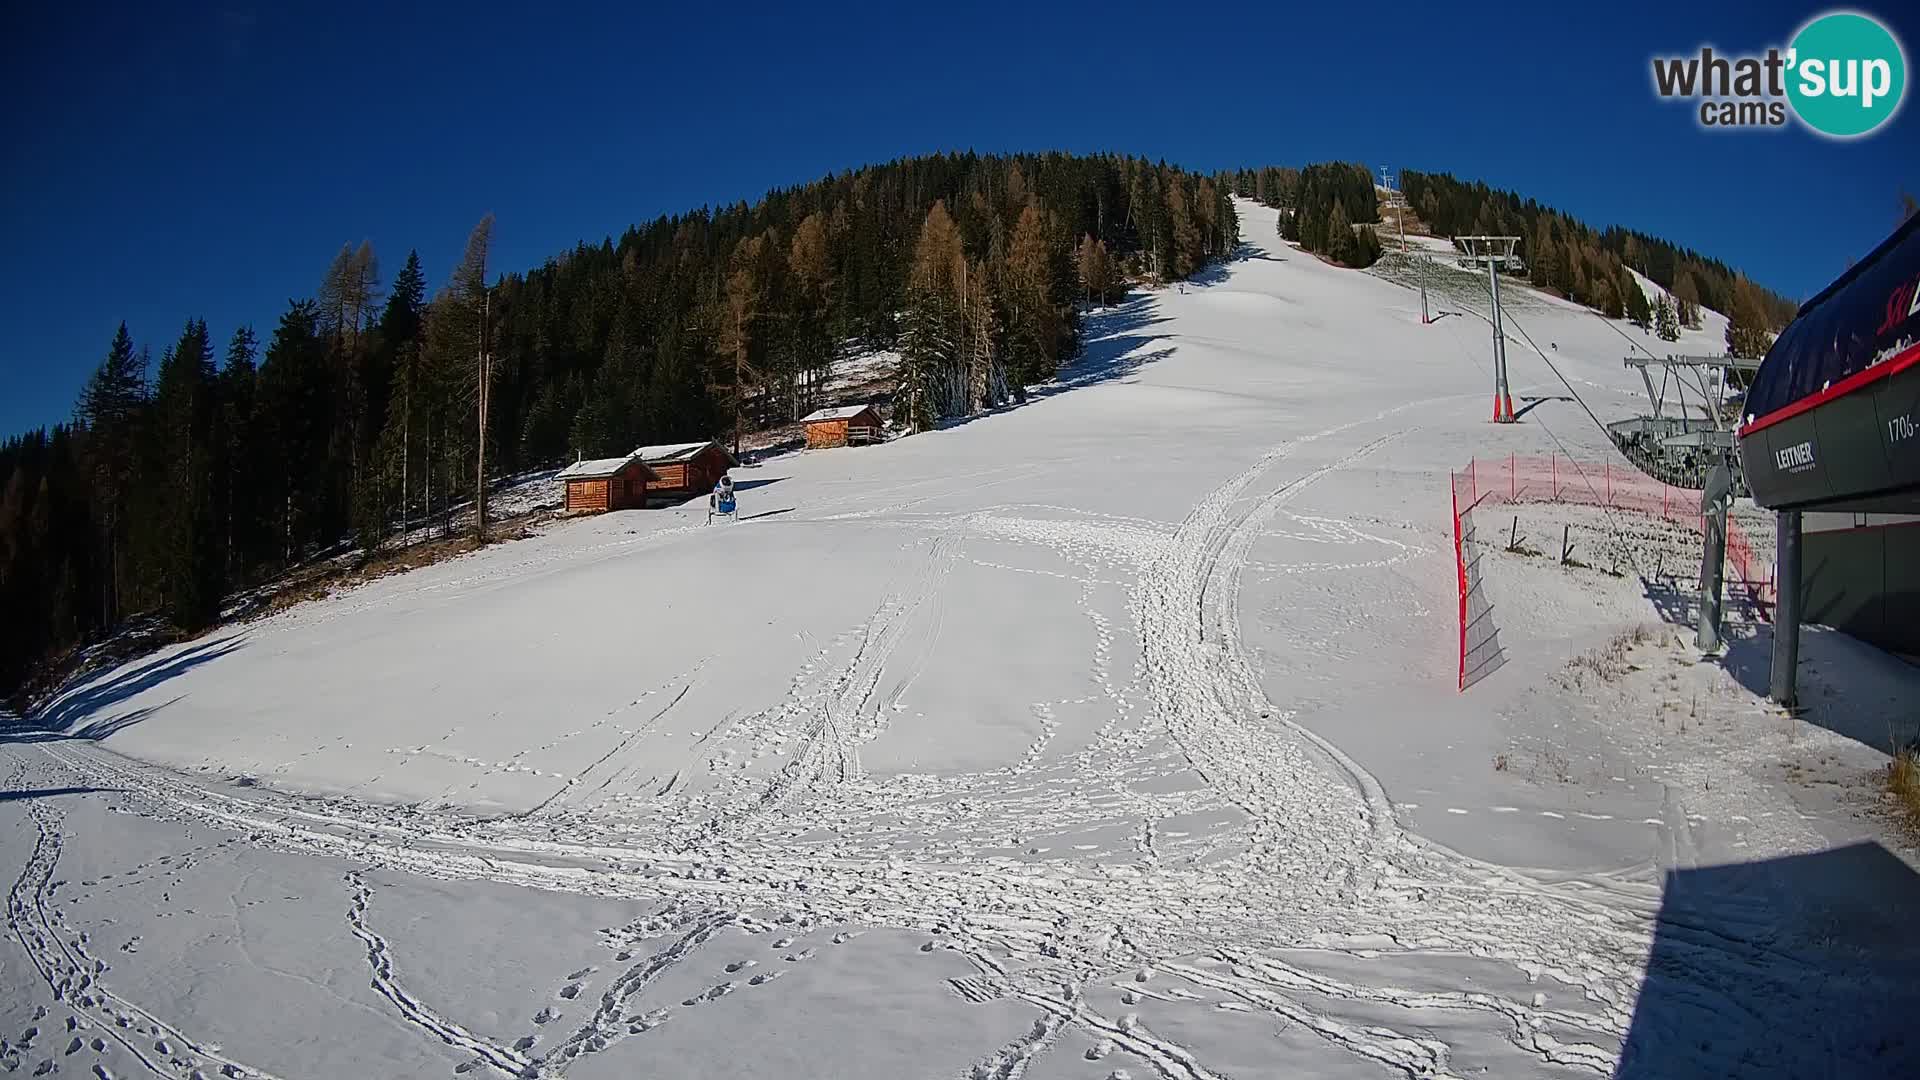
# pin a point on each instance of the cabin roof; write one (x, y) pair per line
(844, 412)
(595, 468)
(672, 453)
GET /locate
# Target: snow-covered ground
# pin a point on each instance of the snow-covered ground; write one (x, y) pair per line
(1114, 735)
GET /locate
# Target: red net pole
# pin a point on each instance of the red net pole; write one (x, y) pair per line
(1460, 584)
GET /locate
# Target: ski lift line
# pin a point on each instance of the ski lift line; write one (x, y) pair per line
(1606, 509)
(1699, 376)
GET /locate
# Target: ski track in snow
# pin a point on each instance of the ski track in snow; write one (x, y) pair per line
(1188, 828)
(1317, 860)
(72, 974)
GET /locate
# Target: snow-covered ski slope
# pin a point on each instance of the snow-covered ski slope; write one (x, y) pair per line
(1111, 735)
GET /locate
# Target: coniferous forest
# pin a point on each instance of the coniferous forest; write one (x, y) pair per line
(1328, 209)
(1589, 265)
(378, 403)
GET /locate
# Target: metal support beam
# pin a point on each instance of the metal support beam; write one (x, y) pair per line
(1502, 393)
(1783, 687)
(1714, 501)
(1712, 573)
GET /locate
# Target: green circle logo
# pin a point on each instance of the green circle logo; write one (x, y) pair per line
(1846, 74)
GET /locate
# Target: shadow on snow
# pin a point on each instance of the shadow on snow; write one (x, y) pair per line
(80, 711)
(43, 793)
(1113, 347)
(1830, 663)
(1790, 967)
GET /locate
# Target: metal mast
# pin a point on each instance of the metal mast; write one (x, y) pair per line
(1494, 251)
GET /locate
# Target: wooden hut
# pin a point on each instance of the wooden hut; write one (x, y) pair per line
(844, 426)
(683, 470)
(606, 484)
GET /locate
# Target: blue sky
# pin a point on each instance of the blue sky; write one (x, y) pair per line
(164, 162)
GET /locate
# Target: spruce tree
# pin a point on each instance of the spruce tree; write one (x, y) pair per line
(189, 546)
(1686, 296)
(1033, 323)
(933, 339)
(1184, 233)
(110, 408)
(242, 454)
(1340, 244)
(1637, 308)
(1666, 320)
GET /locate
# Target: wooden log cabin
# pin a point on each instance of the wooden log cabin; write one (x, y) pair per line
(844, 426)
(683, 470)
(606, 484)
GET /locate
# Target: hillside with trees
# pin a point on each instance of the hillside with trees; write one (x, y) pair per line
(1589, 266)
(1329, 209)
(379, 405)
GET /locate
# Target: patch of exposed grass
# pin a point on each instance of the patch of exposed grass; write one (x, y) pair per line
(1903, 783)
(1607, 664)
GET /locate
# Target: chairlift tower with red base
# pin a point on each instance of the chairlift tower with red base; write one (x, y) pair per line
(1494, 251)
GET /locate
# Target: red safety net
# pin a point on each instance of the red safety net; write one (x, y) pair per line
(1514, 479)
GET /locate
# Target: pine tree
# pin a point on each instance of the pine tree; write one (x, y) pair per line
(470, 313)
(1367, 243)
(1666, 319)
(110, 408)
(743, 332)
(1095, 268)
(294, 419)
(1340, 245)
(810, 268)
(1540, 258)
(189, 546)
(346, 297)
(1686, 296)
(932, 344)
(1607, 296)
(241, 453)
(1637, 308)
(1187, 248)
(1748, 335)
(1033, 322)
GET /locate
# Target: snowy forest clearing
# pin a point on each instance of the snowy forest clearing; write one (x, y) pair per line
(1114, 734)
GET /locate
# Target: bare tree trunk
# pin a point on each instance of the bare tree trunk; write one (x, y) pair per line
(739, 376)
(406, 455)
(480, 449)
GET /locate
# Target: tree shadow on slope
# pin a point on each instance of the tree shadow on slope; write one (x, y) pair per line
(45, 793)
(1790, 967)
(1842, 681)
(75, 712)
(1215, 272)
(1116, 340)
(1114, 346)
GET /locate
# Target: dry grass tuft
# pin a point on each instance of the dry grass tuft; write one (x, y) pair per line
(1607, 664)
(1903, 783)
